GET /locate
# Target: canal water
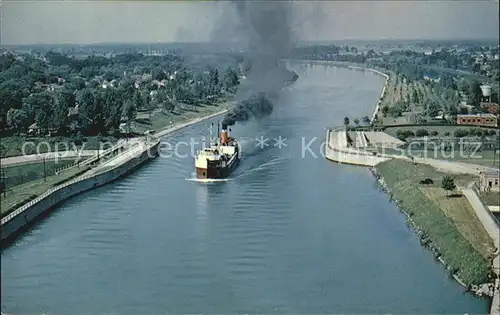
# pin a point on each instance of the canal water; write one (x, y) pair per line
(289, 233)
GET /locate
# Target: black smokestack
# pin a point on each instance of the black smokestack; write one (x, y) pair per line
(264, 27)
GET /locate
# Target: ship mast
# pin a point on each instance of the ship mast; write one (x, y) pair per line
(211, 137)
(218, 132)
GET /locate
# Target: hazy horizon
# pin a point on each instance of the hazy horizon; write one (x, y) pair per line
(127, 22)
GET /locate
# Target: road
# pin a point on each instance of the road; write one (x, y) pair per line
(483, 214)
(50, 156)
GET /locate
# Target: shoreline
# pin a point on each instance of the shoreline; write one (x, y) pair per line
(169, 130)
(488, 290)
(475, 290)
(424, 239)
(382, 93)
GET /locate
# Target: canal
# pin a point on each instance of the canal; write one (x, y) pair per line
(289, 233)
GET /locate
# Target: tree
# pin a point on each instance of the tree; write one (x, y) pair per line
(385, 110)
(231, 79)
(415, 97)
(113, 105)
(138, 100)
(64, 100)
(356, 121)
(366, 120)
(475, 93)
(346, 121)
(448, 184)
(130, 112)
(17, 119)
(168, 105)
(421, 133)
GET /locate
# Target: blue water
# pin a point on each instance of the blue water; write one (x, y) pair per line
(288, 233)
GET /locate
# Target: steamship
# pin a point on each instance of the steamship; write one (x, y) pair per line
(219, 159)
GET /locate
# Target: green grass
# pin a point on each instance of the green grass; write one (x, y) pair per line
(18, 195)
(440, 227)
(20, 174)
(14, 146)
(161, 121)
(491, 198)
(440, 129)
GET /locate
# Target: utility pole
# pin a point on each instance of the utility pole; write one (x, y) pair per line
(494, 156)
(44, 170)
(2, 176)
(2, 181)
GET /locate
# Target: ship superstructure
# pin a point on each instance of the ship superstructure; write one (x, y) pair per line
(219, 159)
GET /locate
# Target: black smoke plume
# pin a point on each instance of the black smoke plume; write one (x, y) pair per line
(265, 29)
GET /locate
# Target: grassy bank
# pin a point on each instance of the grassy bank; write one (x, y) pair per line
(21, 194)
(17, 145)
(160, 120)
(447, 225)
(29, 179)
(20, 174)
(491, 198)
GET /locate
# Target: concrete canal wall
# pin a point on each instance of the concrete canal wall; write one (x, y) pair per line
(30, 212)
(337, 149)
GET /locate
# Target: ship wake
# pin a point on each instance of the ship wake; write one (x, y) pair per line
(207, 180)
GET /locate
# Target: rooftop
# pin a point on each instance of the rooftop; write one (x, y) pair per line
(490, 173)
(477, 115)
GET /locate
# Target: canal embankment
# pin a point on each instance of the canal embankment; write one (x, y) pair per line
(15, 222)
(129, 155)
(447, 225)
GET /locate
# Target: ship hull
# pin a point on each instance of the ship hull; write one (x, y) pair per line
(214, 171)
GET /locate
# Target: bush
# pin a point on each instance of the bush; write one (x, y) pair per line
(421, 133)
(434, 133)
(403, 134)
(459, 133)
(447, 134)
(475, 132)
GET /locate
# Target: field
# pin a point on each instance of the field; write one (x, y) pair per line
(491, 198)
(448, 222)
(19, 145)
(412, 98)
(20, 174)
(161, 121)
(18, 195)
(441, 130)
(467, 152)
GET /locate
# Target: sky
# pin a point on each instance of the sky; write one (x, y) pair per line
(94, 21)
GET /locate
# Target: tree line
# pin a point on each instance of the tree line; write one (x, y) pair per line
(66, 95)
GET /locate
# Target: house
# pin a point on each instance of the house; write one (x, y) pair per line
(105, 84)
(33, 129)
(41, 86)
(491, 108)
(54, 87)
(489, 120)
(73, 111)
(488, 181)
(153, 94)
